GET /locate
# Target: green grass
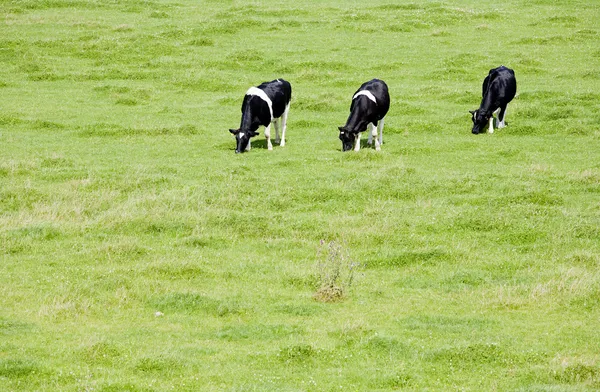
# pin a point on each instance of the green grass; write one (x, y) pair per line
(139, 253)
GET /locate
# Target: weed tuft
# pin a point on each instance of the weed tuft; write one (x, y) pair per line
(578, 373)
(201, 42)
(159, 15)
(157, 364)
(297, 352)
(335, 271)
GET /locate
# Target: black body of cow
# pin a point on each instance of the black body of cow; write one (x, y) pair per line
(364, 111)
(255, 111)
(499, 88)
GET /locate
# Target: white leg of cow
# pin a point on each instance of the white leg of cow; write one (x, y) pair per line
(268, 137)
(373, 135)
(284, 124)
(491, 129)
(378, 147)
(372, 132)
(501, 123)
(357, 145)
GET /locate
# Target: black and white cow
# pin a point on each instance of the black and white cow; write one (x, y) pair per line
(265, 104)
(370, 104)
(499, 88)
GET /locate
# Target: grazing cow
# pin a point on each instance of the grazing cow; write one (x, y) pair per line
(499, 88)
(263, 105)
(369, 105)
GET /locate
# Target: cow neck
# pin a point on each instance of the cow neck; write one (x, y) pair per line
(260, 93)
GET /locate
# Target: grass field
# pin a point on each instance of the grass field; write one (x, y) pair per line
(139, 253)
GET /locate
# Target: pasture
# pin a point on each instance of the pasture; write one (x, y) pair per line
(139, 253)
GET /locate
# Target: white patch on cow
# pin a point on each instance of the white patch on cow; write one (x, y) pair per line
(260, 93)
(367, 94)
(491, 121)
(242, 134)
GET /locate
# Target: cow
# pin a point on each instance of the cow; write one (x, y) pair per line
(264, 104)
(370, 104)
(499, 88)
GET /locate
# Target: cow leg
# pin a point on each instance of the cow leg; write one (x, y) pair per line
(268, 137)
(491, 129)
(284, 124)
(372, 133)
(277, 126)
(357, 145)
(501, 123)
(378, 145)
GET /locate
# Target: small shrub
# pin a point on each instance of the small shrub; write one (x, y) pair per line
(335, 272)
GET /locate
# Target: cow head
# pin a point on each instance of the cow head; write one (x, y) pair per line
(348, 138)
(480, 120)
(242, 139)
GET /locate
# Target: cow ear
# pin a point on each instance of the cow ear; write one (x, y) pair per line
(234, 131)
(342, 129)
(472, 111)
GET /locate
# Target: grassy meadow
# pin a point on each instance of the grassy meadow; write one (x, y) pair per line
(139, 253)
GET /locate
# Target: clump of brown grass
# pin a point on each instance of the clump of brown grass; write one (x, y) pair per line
(335, 271)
